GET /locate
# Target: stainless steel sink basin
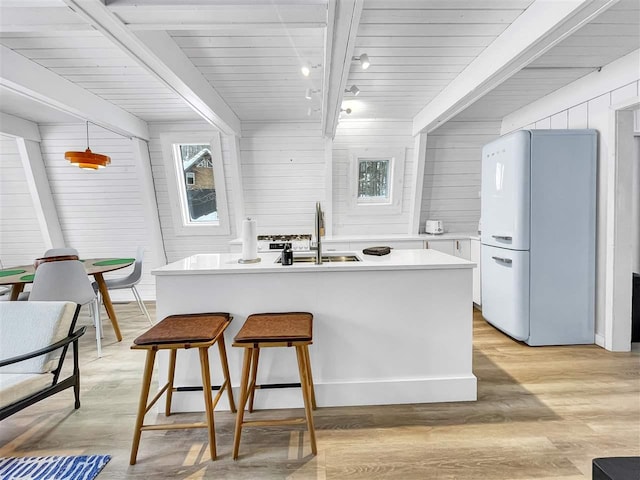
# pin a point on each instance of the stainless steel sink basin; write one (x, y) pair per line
(325, 258)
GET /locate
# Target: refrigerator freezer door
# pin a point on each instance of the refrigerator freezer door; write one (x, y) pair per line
(505, 191)
(505, 290)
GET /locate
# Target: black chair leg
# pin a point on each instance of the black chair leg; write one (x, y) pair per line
(76, 375)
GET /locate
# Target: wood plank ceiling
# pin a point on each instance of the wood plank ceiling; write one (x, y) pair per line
(251, 55)
(251, 51)
(52, 35)
(611, 35)
(416, 47)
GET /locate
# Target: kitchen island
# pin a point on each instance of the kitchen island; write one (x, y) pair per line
(387, 330)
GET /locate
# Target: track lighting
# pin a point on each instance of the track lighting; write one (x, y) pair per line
(355, 90)
(346, 110)
(306, 68)
(308, 92)
(364, 61)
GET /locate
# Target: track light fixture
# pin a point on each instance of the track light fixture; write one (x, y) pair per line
(364, 61)
(346, 110)
(308, 92)
(355, 90)
(306, 68)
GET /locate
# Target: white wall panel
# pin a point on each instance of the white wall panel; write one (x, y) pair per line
(359, 134)
(283, 171)
(451, 188)
(101, 212)
(21, 240)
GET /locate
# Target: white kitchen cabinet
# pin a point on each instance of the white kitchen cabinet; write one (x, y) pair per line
(475, 257)
(462, 248)
(444, 246)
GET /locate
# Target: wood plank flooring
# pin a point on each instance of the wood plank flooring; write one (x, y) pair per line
(542, 413)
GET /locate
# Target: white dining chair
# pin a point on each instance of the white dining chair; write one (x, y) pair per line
(55, 252)
(67, 280)
(130, 281)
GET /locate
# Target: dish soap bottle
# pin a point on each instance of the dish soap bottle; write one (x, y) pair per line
(287, 255)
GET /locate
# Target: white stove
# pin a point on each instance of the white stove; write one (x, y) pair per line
(277, 242)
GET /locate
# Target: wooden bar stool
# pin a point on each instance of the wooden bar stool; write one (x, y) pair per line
(198, 330)
(262, 330)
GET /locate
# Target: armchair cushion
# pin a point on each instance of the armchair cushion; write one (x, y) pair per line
(15, 386)
(29, 326)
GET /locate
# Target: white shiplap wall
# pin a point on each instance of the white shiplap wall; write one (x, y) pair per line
(451, 188)
(21, 240)
(181, 246)
(101, 212)
(283, 170)
(588, 112)
(358, 134)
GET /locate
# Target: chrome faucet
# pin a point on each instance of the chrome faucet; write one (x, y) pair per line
(319, 231)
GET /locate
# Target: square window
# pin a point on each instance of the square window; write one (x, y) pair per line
(373, 180)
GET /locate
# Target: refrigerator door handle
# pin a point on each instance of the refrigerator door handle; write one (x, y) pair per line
(502, 237)
(508, 261)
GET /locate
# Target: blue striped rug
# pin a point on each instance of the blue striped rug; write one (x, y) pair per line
(81, 467)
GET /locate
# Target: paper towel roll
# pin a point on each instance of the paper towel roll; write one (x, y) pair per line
(249, 239)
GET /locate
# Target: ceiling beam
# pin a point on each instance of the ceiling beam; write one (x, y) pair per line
(345, 29)
(159, 54)
(540, 27)
(19, 127)
(25, 77)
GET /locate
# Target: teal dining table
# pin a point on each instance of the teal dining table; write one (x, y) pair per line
(21, 275)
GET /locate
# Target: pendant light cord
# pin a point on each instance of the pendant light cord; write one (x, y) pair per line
(88, 135)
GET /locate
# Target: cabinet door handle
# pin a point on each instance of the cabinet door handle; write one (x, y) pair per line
(457, 245)
(508, 261)
(502, 237)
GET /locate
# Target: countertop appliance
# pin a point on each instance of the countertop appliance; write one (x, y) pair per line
(538, 208)
(299, 242)
(434, 227)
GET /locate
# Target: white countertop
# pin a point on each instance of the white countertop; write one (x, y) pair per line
(224, 263)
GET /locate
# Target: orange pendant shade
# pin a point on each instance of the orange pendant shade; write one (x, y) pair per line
(88, 159)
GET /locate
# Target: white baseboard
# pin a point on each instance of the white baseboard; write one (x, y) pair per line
(600, 340)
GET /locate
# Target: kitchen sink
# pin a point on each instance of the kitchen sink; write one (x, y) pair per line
(325, 258)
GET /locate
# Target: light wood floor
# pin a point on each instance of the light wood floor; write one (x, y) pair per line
(542, 413)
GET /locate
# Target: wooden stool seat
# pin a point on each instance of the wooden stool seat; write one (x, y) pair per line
(197, 330)
(266, 330)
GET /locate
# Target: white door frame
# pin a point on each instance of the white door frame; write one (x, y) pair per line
(617, 321)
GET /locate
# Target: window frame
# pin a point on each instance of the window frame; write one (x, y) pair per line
(396, 158)
(176, 183)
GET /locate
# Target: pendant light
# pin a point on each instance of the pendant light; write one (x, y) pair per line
(87, 159)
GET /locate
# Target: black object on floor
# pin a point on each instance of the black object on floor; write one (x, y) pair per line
(635, 309)
(616, 468)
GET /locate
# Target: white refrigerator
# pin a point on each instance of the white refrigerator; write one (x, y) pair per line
(538, 210)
